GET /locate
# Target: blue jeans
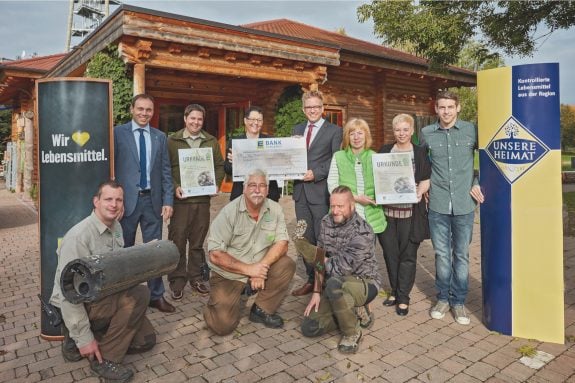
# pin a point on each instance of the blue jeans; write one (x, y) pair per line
(451, 236)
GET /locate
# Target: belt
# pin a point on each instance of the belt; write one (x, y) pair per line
(144, 192)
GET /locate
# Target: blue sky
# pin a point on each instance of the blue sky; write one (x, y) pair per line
(40, 26)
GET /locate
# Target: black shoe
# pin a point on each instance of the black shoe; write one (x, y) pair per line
(258, 315)
(70, 351)
(401, 312)
(111, 371)
(389, 302)
(162, 305)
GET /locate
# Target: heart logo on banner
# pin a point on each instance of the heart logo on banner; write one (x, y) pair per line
(80, 137)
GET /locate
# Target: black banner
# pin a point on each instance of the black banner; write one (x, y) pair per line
(74, 155)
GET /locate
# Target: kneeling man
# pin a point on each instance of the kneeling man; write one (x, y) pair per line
(248, 244)
(351, 273)
(106, 330)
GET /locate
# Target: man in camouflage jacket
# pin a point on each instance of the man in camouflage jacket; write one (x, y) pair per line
(351, 274)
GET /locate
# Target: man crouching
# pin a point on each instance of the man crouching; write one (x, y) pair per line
(351, 273)
(106, 330)
(248, 244)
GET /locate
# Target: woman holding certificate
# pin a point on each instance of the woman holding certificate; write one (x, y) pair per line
(253, 121)
(406, 223)
(352, 167)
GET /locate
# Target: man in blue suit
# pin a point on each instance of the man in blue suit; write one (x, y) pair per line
(142, 167)
(311, 196)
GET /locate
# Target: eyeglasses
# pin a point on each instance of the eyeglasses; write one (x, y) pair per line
(254, 186)
(313, 107)
(256, 120)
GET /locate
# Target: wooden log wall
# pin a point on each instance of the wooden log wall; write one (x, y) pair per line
(353, 90)
(406, 94)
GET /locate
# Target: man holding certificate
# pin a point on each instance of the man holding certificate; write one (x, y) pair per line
(197, 171)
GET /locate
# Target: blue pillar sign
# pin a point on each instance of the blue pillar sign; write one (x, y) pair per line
(521, 219)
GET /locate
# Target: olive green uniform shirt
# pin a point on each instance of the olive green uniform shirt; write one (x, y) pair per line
(89, 237)
(235, 232)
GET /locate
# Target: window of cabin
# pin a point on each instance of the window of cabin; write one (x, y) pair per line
(333, 114)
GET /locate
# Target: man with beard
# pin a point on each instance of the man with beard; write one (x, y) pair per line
(247, 245)
(352, 279)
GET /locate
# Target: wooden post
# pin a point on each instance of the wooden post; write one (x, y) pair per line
(139, 79)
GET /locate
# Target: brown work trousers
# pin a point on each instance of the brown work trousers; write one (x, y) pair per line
(222, 313)
(119, 321)
(188, 229)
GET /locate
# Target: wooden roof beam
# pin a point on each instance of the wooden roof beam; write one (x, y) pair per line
(144, 27)
(215, 65)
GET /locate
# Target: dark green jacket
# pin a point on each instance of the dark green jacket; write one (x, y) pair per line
(177, 141)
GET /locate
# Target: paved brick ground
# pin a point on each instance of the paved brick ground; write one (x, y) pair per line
(411, 349)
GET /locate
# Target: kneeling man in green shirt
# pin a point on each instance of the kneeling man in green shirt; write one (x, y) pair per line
(248, 244)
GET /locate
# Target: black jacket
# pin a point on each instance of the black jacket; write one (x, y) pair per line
(419, 223)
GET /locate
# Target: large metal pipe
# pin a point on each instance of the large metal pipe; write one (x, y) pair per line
(92, 278)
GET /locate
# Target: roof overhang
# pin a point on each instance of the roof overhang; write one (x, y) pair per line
(15, 81)
(164, 40)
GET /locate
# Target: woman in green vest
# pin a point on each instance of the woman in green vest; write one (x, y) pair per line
(352, 167)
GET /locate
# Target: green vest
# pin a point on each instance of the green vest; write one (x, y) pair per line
(345, 160)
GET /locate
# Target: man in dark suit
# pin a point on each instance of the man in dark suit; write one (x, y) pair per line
(311, 196)
(142, 166)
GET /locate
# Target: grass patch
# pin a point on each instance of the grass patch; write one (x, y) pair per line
(527, 350)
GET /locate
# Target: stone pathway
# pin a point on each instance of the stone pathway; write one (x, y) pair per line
(396, 349)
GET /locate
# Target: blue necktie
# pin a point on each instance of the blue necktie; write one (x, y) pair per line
(143, 172)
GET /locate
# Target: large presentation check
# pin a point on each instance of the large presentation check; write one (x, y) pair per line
(197, 172)
(394, 179)
(282, 158)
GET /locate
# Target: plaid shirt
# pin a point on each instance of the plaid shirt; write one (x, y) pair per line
(451, 152)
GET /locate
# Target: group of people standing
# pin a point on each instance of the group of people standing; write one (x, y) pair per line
(248, 240)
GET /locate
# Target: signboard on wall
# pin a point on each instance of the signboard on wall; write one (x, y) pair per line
(75, 156)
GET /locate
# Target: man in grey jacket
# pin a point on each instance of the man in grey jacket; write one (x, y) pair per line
(352, 279)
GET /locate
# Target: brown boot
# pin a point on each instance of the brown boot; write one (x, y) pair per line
(304, 290)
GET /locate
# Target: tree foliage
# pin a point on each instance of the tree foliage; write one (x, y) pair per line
(5, 128)
(438, 30)
(107, 64)
(474, 56)
(289, 112)
(567, 127)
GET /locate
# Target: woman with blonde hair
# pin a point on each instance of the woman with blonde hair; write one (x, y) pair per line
(407, 224)
(352, 167)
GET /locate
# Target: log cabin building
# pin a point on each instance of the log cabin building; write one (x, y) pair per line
(181, 60)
